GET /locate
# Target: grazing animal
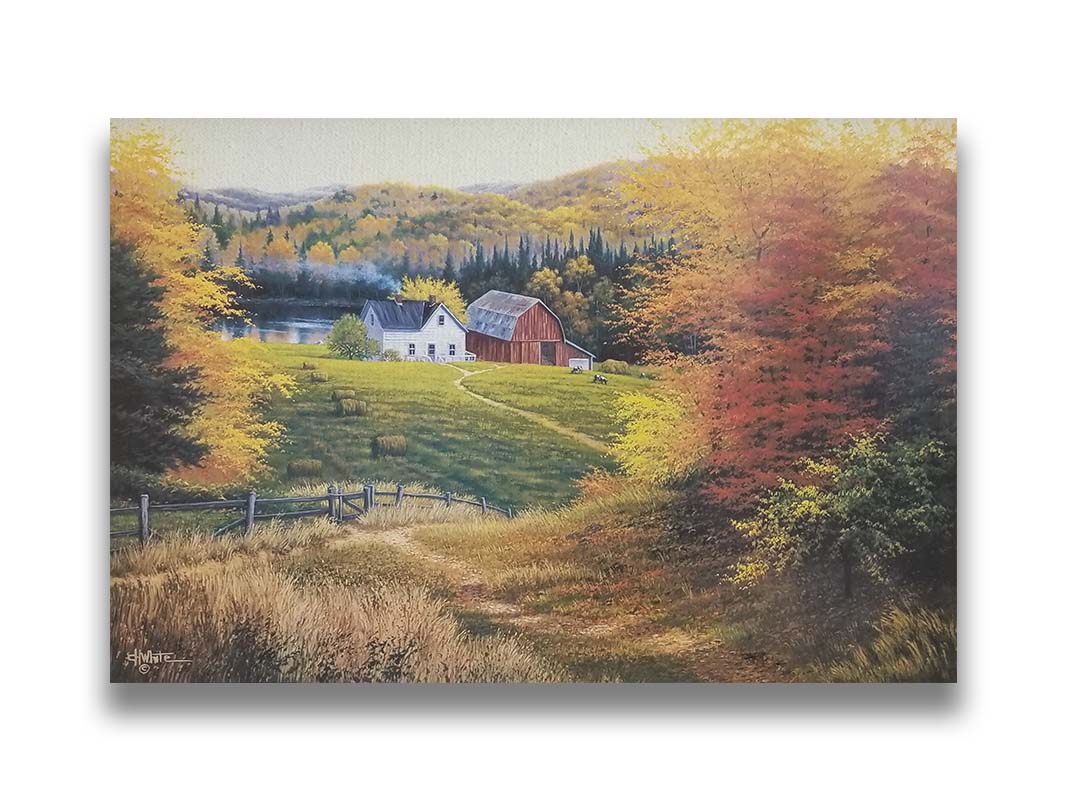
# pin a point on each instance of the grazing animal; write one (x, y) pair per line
(599, 379)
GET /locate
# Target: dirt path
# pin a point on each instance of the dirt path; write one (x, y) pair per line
(706, 660)
(581, 438)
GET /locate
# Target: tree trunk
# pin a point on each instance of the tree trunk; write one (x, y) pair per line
(846, 563)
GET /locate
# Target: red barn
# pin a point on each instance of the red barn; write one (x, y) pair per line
(520, 330)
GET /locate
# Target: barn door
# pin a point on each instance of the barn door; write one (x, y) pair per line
(548, 353)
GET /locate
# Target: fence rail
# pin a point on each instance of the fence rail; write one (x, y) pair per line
(335, 501)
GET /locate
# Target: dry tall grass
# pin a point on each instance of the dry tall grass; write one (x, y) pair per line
(252, 625)
(912, 645)
(185, 548)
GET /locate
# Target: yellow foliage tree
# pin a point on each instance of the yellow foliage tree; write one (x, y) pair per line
(279, 252)
(546, 285)
(350, 255)
(144, 214)
(421, 287)
(321, 253)
(660, 441)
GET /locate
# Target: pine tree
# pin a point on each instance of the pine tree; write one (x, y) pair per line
(151, 403)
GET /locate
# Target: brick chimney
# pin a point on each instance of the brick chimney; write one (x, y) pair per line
(433, 299)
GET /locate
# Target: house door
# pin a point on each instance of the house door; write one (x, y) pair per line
(548, 353)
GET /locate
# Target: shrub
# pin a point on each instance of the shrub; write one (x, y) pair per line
(389, 446)
(614, 367)
(348, 338)
(304, 468)
(877, 505)
(309, 365)
(350, 407)
(390, 355)
(318, 377)
(343, 394)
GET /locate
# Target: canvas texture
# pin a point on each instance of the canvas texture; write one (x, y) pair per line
(547, 400)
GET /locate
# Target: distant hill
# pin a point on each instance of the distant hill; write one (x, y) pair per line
(588, 187)
(253, 200)
(501, 187)
(419, 229)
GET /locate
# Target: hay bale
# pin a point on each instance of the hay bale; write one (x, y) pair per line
(614, 367)
(393, 445)
(318, 377)
(309, 365)
(343, 394)
(349, 407)
(304, 468)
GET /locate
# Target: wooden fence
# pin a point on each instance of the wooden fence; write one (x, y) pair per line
(337, 505)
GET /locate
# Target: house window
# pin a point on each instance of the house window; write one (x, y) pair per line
(451, 349)
(372, 318)
(440, 319)
(411, 349)
(431, 349)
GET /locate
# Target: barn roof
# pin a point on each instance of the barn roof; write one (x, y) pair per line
(495, 313)
(409, 315)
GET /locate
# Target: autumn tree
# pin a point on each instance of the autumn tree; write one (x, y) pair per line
(778, 311)
(422, 287)
(579, 274)
(321, 253)
(546, 285)
(230, 375)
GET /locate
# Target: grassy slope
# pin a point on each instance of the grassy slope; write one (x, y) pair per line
(571, 400)
(454, 441)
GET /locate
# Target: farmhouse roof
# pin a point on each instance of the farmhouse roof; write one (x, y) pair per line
(407, 315)
(495, 313)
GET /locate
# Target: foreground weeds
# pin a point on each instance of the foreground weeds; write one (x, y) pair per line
(253, 625)
(298, 603)
(910, 645)
(187, 548)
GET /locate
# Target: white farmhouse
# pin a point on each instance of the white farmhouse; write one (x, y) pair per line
(417, 330)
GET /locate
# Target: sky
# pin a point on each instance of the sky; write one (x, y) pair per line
(280, 155)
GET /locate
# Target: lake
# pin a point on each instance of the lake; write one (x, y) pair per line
(285, 323)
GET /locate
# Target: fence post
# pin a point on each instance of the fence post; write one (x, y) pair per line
(509, 512)
(340, 503)
(331, 501)
(448, 499)
(399, 494)
(368, 496)
(142, 524)
(250, 513)
(483, 505)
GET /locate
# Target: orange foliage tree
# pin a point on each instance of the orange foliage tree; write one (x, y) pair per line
(802, 245)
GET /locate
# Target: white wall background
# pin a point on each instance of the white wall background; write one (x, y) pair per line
(998, 733)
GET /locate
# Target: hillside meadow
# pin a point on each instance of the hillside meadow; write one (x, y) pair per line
(571, 400)
(453, 440)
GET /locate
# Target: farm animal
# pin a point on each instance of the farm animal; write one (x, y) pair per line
(599, 379)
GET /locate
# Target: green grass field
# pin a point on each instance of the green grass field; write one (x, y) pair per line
(571, 400)
(454, 441)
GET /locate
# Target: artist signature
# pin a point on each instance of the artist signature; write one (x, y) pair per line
(148, 660)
